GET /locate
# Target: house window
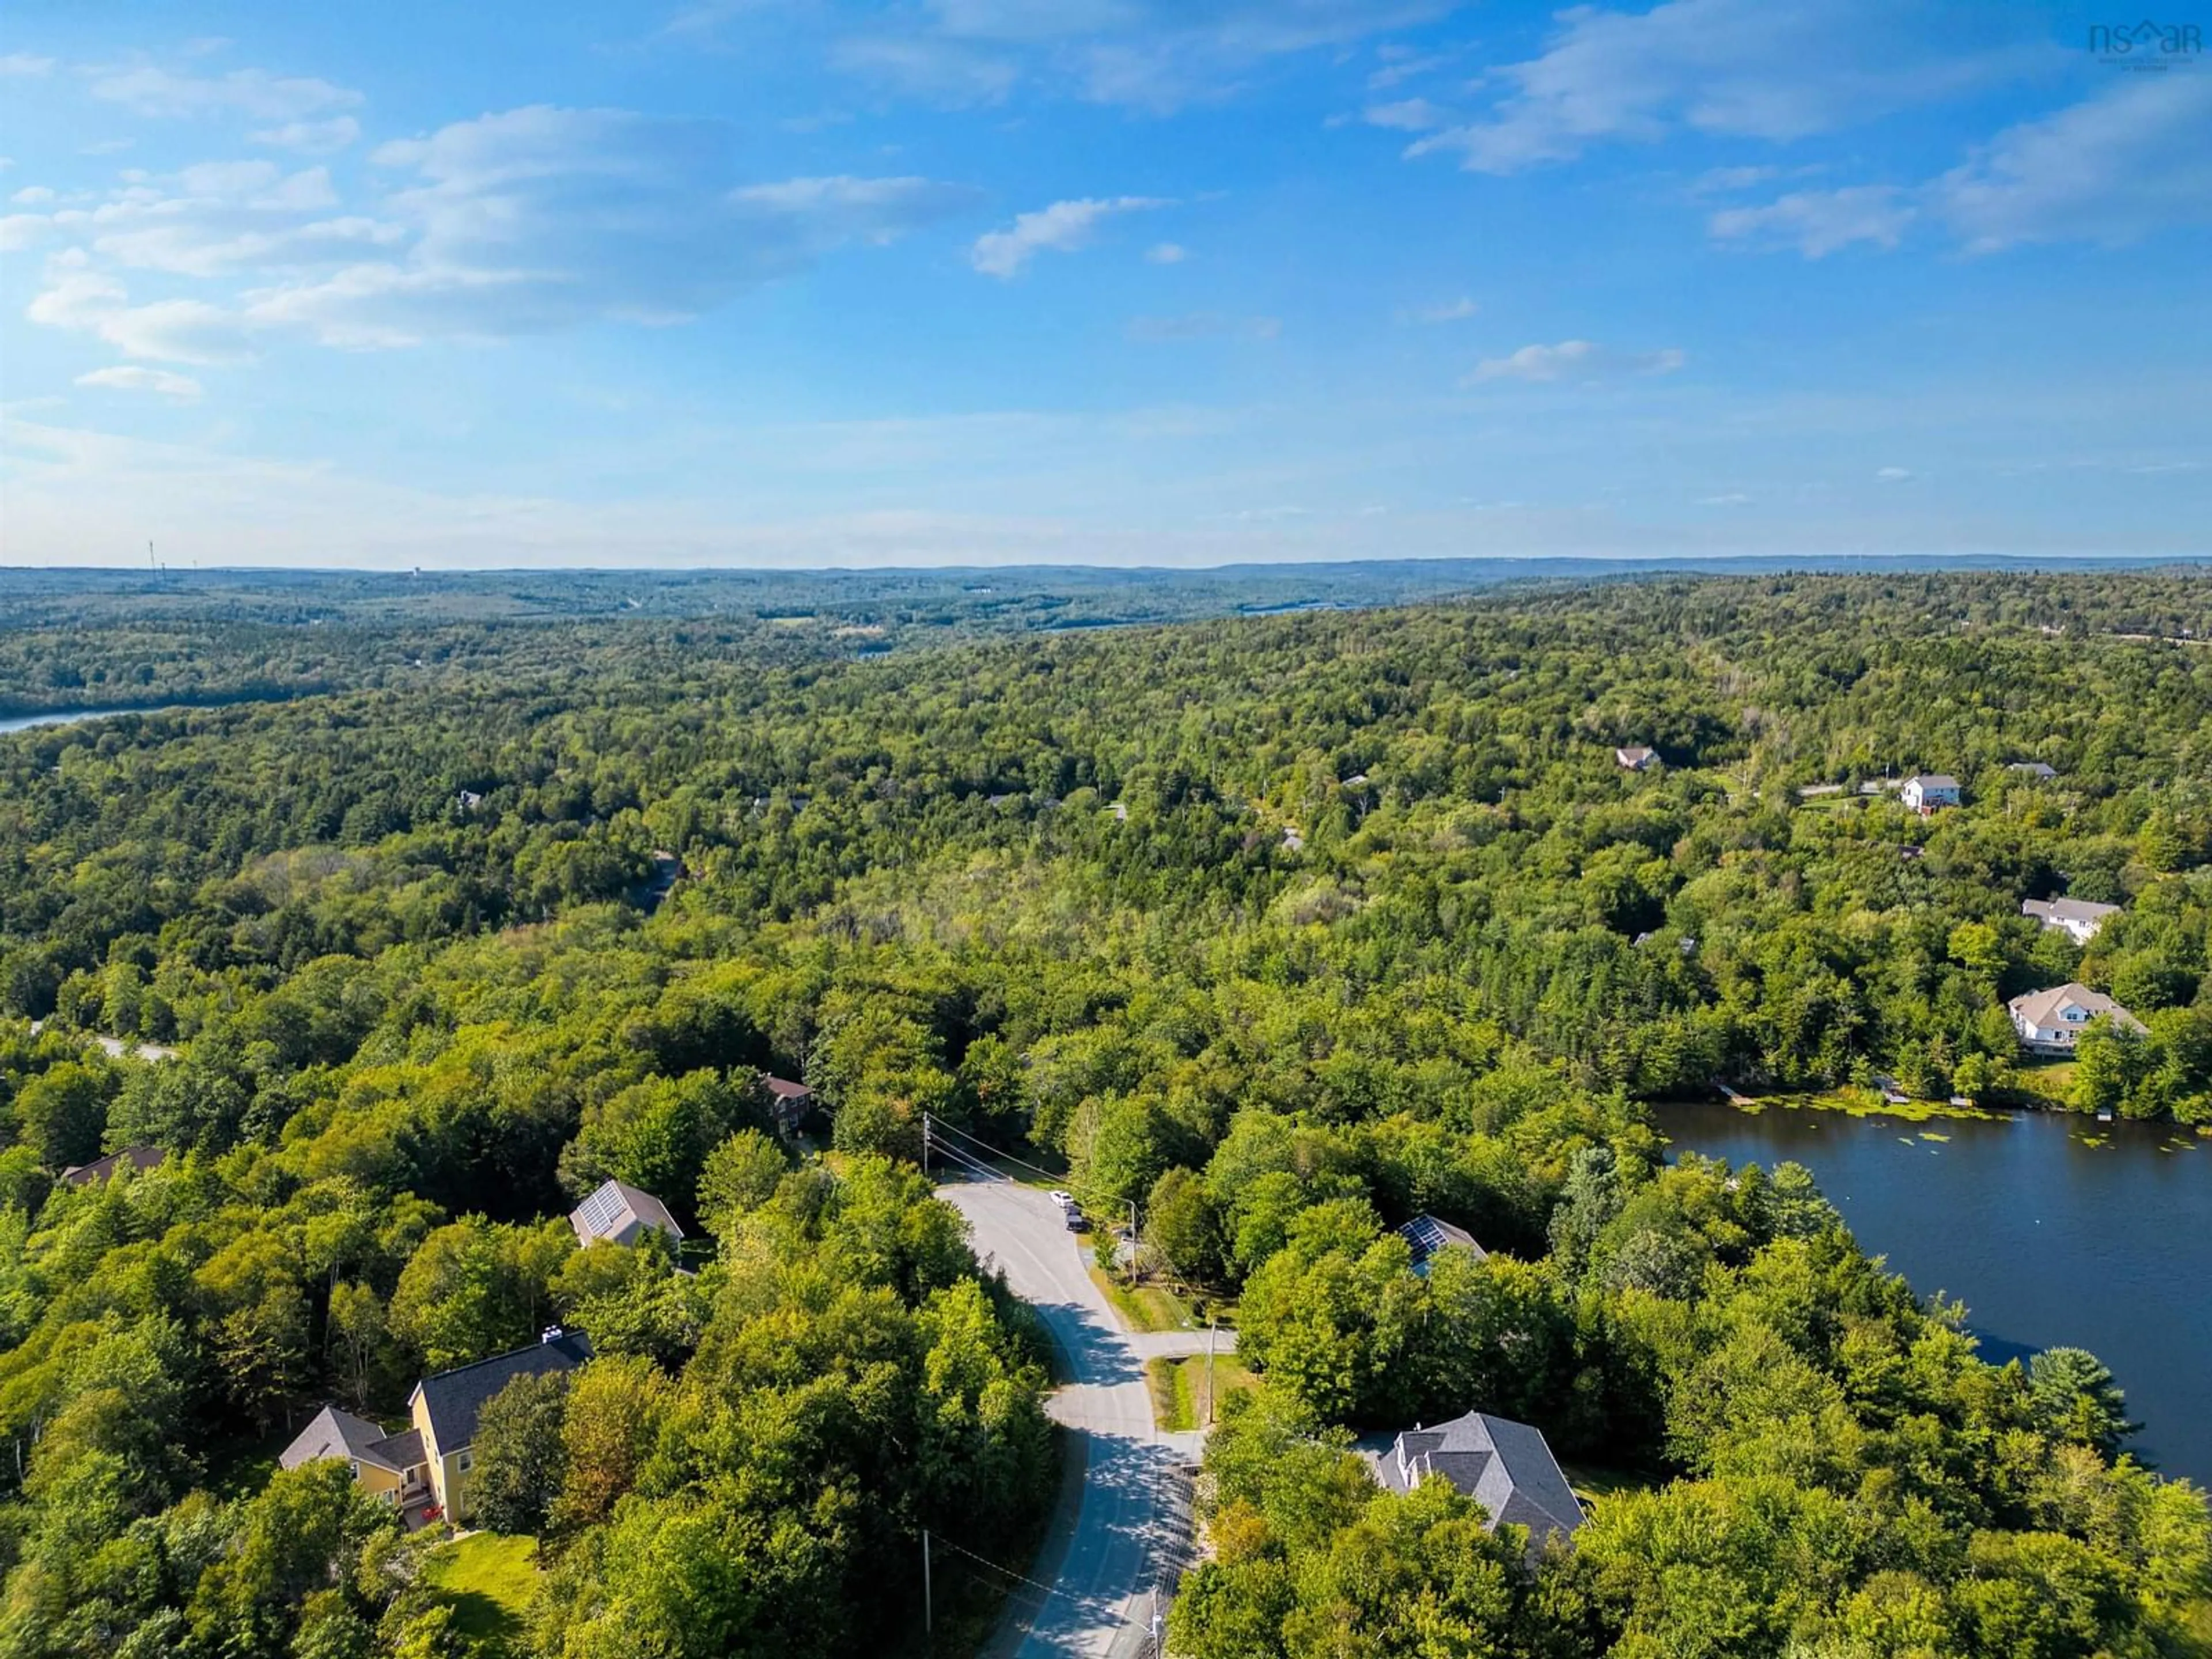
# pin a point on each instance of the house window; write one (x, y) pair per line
(464, 1461)
(355, 1464)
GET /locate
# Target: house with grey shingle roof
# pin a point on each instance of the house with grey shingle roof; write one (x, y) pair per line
(1506, 1466)
(620, 1213)
(444, 1407)
(2079, 919)
(1425, 1234)
(96, 1172)
(391, 1467)
(433, 1461)
(1924, 792)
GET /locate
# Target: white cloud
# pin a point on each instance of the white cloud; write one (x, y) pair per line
(1575, 360)
(1819, 222)
(20, 230)
(1167, 253)
(1893, 474)
(945, 72)
(1062, 227)
(540, 218)
(311, 137)
(2135, 159)
(173, 331)
(129, 377)
(1446, 311)
(1733, 68)
(25, 64)
(1156, 54)
(32, 196)
(1723, 181)
(1408, 115)
(1733, 498)
(147, 89)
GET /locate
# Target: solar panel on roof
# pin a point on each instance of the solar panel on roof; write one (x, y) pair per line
(603, 1209)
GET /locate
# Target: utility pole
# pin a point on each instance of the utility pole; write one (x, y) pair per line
(1132, 1243)
(1209, 1371)
(928, 1610)
(925, 1169)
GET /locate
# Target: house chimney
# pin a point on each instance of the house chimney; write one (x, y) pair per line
(551, 1334)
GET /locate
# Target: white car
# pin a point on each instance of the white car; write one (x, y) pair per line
(1069, 1209)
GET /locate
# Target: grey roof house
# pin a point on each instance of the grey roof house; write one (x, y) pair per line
(1506, 1466)
(620, 1213)
(1634, 756)
(445, 1407)
(1924, 792)
(1426, 1234)
(130, 1157)
(2078, 918)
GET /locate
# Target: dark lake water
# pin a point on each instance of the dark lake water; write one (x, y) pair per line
(2048, 1238)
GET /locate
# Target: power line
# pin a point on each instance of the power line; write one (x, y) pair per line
(974, 1166)
(1049, 1590)
(940, 1124)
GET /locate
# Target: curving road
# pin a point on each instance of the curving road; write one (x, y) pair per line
(1128, 1534)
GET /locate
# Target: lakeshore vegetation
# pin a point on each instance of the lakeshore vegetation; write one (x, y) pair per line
(1282, 928)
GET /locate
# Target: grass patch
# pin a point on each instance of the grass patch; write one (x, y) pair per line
(1596, 1482)
(1178, 1387)
(2046, 1084)
(488, 1580)
(1147, 1308)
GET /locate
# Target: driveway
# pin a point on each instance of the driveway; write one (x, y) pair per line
(1128, 1531)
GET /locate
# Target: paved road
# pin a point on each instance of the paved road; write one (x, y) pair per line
(1128, 1532)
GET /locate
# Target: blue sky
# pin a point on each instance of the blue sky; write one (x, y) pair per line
(1160, 281)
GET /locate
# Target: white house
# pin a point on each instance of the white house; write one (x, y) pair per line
(1924, 792)
(1635, 757)
(2079, 918)
(2051, 1022)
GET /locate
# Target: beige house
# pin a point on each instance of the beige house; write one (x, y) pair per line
(431, 1463)
(2051, 1022)
(621, 1215)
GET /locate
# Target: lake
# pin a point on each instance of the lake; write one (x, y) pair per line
(72, 716)
(2048, 1237)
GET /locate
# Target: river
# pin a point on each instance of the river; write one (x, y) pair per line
(2053, 1229)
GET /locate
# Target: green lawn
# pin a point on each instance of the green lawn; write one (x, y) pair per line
(1594, 1483)
(1147, 1308)
(489, 1579)
(2047, 1081)
(1179, 1387)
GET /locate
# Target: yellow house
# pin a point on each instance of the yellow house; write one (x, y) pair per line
(390, 1467)
(444, 1408)
(432, 1461)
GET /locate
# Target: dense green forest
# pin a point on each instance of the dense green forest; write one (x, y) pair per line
(1281, 928)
